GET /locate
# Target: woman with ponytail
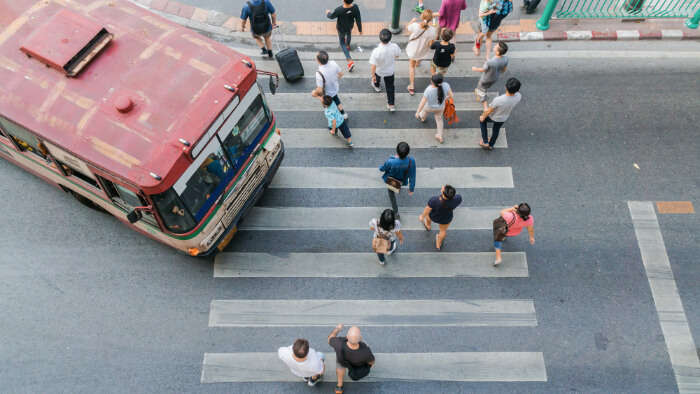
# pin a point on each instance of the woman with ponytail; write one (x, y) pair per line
(422, 35)
(433, 101)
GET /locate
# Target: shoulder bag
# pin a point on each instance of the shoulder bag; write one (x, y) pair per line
(500, 227)
(323, 88)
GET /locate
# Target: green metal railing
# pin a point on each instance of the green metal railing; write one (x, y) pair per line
(621, 9)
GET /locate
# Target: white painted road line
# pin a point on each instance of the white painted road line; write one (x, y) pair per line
(674, 324)
(372, 313)
(362, 70)
(369, 178)
(370, 101)
(357, 218)
(387, 138)
(364, 265)
(456, 367)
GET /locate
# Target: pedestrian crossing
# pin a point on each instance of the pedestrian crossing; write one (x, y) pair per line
(443, 367)
(364, 265)
(457, 138)
(306, 141)
(362, 69)
(361, 177)
(302, 102)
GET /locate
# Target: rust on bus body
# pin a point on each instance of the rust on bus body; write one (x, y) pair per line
(167, 82)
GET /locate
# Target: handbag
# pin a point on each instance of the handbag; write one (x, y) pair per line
(450, 111)
(500, 228)
(394, 184)
(380, 245)
(323, 88)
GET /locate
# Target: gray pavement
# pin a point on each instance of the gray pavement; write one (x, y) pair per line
(91, 306)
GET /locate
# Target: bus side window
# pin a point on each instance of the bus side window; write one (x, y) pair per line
(68, 171)
(25, 140)
(126, 199)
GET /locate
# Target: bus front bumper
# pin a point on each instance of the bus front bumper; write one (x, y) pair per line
(226, 237)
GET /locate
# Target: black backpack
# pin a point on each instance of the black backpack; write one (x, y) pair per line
(259, 20)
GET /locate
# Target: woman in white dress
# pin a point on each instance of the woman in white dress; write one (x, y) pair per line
(422, 34)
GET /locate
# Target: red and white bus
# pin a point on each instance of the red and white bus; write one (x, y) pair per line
(165, 129)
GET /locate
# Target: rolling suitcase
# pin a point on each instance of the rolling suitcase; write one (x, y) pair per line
(288, 60)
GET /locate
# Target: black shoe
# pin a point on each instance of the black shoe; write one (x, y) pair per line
(263, 51)
(269, 53)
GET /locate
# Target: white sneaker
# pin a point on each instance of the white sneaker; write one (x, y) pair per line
(391, 108)
(390, 252)
(376, 88)
(496, 263)
(345, 115)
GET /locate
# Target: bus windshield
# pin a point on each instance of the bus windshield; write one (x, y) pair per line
(206, 178)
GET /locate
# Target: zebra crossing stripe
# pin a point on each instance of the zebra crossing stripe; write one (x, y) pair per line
(451, 366)
(356, 218)
(362, 69)
(372, 313)
(364, 265)
(358, 57)
(370, 101)
(369, 178)
(387, 138)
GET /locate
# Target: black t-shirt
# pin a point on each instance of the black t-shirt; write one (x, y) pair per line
(443, 53)
(441, 212)
(349, 358)
(347, 17)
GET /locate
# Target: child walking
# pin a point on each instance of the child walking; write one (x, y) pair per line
(336, 121)
(444, 52)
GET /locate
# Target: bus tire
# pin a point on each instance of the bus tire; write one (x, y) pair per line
(86, 201)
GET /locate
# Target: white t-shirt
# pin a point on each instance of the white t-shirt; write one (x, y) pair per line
(419, 48)
(380, 232)
(330, 71)
(504, 105)
(383, 57)
(312, 366)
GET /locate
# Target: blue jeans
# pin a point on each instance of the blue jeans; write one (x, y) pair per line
(381, 255)
(494, 133)
(344, 39)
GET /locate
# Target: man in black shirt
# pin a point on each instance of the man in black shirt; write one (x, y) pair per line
(351, 353)
(347, 15)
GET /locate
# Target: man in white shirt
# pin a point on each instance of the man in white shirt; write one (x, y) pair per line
(382, 62)
(327, 80)
(303, 361)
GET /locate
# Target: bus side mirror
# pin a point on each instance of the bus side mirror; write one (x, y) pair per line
(135, 215)
(274, 82)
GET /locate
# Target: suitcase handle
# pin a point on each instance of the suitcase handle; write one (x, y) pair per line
(278, 38)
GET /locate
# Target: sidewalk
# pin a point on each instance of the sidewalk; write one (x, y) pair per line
(513, 29)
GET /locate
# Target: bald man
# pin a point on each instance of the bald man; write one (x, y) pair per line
(351, 353)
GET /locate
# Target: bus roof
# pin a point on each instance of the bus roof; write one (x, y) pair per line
(154, 84)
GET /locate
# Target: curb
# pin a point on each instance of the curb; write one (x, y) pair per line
(224, 26)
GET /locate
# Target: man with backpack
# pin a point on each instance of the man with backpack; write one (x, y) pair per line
(259, 12)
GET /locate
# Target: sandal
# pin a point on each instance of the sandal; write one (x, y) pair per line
(411, 90)
(338, 390)
(440, 140)
(424, 225)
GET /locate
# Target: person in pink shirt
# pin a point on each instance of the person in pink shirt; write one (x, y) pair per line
(509, 224)
(450, 11)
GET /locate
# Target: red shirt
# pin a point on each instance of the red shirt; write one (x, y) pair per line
(517, 227)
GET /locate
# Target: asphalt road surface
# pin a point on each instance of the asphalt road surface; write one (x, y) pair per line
(91, 306)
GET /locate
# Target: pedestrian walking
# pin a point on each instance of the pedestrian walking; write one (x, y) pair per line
(346, 15)
(491, 70)
(328, 80)
(433, 101)
(336, 121)
(422, 35)
(450, 12)
(382, 61)
(439, 210)
(498, 112)
(419, 8)
(259, 12)
(303, 361)
(350, 353)
(491, 14)
(509, 224)
(386, 230)
(444, 52)
(399, 170)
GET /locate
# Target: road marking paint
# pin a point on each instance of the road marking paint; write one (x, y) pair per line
(362, 69)
(628, 34)
(362, 178)
(373, 101)
(356, 218)
(364, 265)
(387, 138)
(682, 207)
(456, 367)
(674, 324)
(372, 313)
